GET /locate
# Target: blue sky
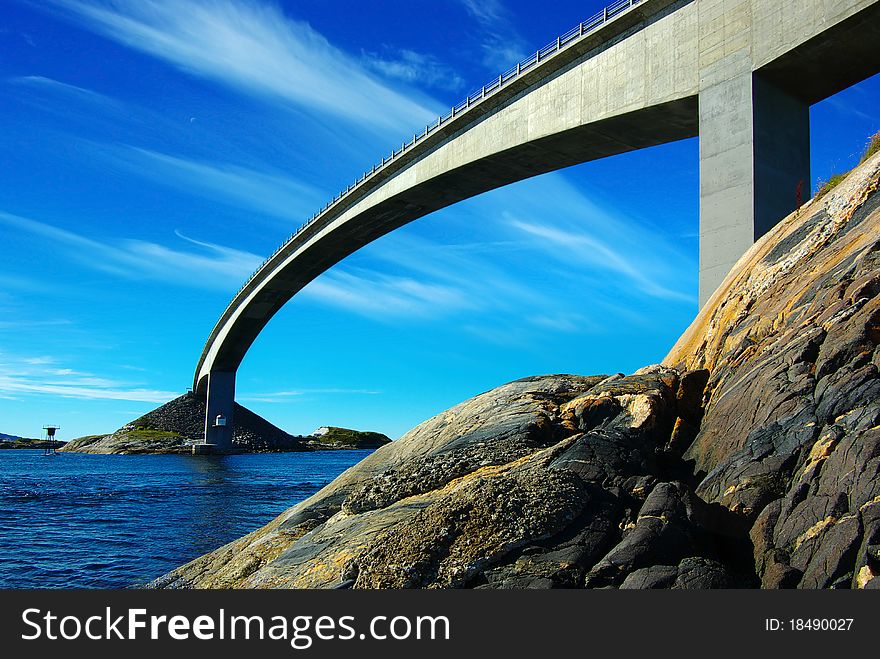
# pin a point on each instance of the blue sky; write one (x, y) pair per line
(153, 152)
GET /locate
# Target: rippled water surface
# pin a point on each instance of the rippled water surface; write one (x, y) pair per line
(115, 521)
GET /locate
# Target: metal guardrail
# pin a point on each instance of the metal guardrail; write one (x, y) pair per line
(562, 42)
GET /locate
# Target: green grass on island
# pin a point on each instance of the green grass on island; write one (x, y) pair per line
(31, 443)
(336, 437)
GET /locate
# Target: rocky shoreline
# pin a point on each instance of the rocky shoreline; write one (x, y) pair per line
(25, 443)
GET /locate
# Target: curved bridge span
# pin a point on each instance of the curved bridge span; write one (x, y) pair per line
(741, 74)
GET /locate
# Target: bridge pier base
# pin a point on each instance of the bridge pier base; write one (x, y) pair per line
(219, 411)
(754, 165)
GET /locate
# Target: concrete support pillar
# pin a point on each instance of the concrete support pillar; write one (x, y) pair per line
(782, 154)
(220, 402)
(754, 165)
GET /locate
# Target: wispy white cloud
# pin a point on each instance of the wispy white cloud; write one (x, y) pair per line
(463, 265)
(31, 376)
(260, 190)
(486, 11)
(13, 387)
(21, 324)
(599, 255)
(382, 296)
(563, 322)
(841, 105)
(253, 48)
(210, 266)
(415, 69)
(414, 279)
(501, 53)
(34, 361)
(20, 283)
(129, 367)
(58, 87)
(85, 112)
(264, 192)
(564, 224)
(502, 46)
(213, 266)
(531, 269)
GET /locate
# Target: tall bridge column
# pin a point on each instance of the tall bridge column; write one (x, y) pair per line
(219, 409)
(754, 151)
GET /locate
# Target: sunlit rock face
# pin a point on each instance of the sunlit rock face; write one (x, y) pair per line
(790, 441)
(750, 458)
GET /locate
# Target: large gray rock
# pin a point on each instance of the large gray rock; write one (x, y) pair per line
(528, 485)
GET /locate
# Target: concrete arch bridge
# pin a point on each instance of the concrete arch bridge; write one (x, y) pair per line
(740, 74)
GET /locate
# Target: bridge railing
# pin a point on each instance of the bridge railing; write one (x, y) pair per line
(562, 42)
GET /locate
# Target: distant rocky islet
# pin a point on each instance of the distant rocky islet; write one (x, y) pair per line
(177, 425)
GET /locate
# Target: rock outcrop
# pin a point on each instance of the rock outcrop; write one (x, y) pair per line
(790, 441)
(332, 437)
(750, 457)
(176, 425)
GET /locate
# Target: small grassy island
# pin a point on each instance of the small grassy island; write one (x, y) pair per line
(24, 442)
(175, 426)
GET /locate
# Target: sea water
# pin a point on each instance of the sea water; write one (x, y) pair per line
(118, 521)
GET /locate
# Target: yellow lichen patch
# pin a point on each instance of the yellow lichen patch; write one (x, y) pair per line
(872, 502)
(781, 317)
(819, 453)
(640, 408)
(320, 572)
(814, 530)
(492, 471)
(740, 509)
(730, 490)
(865, 575)
(244, 564)
(742, 485)
(584, 401)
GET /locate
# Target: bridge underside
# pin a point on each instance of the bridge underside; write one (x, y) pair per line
(697, 69)
(660, 124)
(840, 57)
(755, 134)
(653, 126)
